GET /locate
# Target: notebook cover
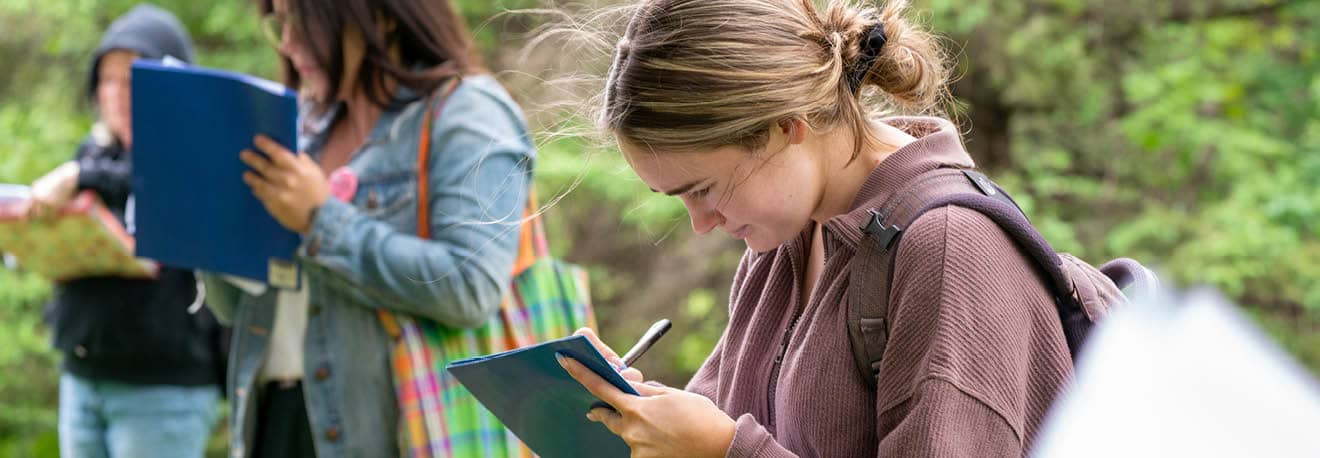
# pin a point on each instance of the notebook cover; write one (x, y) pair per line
(192, 208)
(536, 399)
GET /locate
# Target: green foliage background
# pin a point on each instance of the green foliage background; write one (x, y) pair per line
(1182, 133)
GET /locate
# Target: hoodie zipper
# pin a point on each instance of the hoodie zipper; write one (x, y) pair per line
(797, 316)
(783, 345)
(774, 370)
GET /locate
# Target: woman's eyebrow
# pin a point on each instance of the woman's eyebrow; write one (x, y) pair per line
(683, 188)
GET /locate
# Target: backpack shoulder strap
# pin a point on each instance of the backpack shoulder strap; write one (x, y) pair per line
(1011, 219)
(871, 272)
(873, 264)
(868, 296)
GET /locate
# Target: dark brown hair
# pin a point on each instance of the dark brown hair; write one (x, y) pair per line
(433, 42)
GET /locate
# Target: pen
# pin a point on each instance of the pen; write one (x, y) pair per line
(652, 335)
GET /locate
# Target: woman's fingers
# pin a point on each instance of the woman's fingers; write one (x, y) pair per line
(632, 375)
(258, 162)
(259, 186)
(278, 154)
(34, 208)
(649, 388)
(612, 420)
(604, 350)
(594, 384)
(275, 174)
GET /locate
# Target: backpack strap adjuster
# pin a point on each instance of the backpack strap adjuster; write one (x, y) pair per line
(875, 228)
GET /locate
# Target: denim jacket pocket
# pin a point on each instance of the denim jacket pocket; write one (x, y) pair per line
(388, 197)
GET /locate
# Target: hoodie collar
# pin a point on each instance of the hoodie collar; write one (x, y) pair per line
(938, 145)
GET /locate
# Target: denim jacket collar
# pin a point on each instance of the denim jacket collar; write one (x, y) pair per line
(314, 129)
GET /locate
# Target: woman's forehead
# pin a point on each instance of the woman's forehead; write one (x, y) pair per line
(664, 170)
(116, 61)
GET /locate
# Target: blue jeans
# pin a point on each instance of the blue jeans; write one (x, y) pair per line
(107, 419)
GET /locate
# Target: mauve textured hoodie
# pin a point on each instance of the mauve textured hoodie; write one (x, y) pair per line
(975, 355)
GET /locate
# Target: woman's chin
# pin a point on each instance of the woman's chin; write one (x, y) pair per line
(759, 245)
(313, 93)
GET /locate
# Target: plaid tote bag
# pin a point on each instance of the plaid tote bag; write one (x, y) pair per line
(548, 299)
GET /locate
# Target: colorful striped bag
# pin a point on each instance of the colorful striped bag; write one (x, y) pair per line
(547, 300)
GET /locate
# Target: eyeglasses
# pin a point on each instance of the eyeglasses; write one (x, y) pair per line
(272, 27)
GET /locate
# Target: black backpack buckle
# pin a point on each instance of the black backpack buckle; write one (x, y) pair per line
(875, 228)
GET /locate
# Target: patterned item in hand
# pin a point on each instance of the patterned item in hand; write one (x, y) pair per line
(82, 239)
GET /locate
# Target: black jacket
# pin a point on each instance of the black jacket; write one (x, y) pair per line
(125, 330)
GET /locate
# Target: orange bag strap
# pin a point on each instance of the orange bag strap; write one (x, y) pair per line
(532, 244)
(424, 158)
(423, 204)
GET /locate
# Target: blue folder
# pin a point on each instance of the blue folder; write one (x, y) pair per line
(191, 207)
(537, 400)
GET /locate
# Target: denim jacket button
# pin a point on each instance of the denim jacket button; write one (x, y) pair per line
(372, 200)
(322, 373)
(332, 433)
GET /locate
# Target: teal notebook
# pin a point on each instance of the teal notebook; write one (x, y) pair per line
(537, 400)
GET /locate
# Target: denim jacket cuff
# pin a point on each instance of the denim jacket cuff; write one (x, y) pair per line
(328, 224)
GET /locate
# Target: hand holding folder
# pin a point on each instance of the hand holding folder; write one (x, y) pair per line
(529, 391)
(193, 210)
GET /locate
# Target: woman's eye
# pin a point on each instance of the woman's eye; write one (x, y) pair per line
(699, 193)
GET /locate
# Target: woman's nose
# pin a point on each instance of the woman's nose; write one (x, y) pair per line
(286, 38)
(704, 220)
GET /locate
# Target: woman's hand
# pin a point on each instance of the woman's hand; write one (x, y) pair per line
(289, 185)
(662, 422)
(54, 189)
(629, 374)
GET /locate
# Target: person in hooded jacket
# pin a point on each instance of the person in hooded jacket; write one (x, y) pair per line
(142, 362)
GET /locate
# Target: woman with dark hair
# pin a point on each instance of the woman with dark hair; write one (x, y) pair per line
(381, 81)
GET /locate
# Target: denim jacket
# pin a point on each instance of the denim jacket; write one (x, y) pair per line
(363, 255)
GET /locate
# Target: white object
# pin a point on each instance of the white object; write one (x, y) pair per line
(14, 192)
(1193, 380)
(284, 358)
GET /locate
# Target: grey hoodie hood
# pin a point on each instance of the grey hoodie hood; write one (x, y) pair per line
(151, 32)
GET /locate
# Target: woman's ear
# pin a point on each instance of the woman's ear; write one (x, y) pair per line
(794, 130)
